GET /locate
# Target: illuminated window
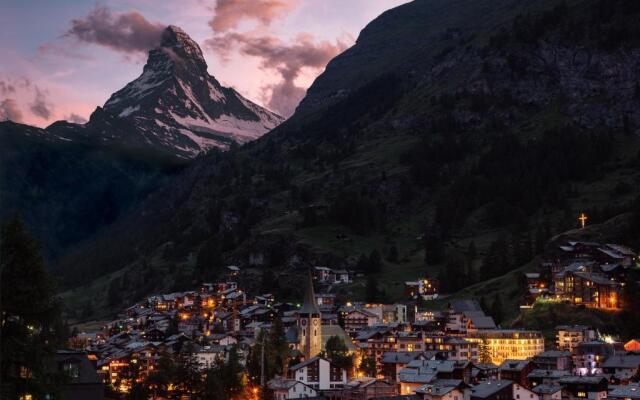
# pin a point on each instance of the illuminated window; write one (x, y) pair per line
(582, 394)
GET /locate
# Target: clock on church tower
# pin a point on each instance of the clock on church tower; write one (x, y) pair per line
(309, 323)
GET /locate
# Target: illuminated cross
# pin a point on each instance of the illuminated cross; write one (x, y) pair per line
(583, 219)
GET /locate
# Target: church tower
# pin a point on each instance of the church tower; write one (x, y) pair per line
(309, 324)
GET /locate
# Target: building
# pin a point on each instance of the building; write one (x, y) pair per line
(444, 389)
(570, 336)
(320, 374)
(81, 379)
(358, 319)
(366, 388)
(624, 392)
(581, 387)
(284, 389)
(492, 390)
(591, 290)
(548, 392)
(589, 356)
(554, 360)
(512, 344)
(516, 371)
(622, 367)
(309, 324)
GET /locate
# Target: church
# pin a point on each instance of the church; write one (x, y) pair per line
(309, 335)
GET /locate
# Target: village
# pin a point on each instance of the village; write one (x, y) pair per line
(395, 350)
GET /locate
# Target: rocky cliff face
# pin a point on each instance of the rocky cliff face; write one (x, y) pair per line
(177, 107)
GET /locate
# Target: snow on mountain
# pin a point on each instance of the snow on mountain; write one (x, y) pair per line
(176, 106)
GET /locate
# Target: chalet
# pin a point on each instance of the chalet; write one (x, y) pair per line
(589, 356)
(546, 377)
(389, 313)
(366, 388)
(482, 371)
(210, 356)
(622, 367)
(516, 371)
(580, 387)
(394, 361)
(320, 374)
(492, 390)
(322, 274)
(358, 319)
(570, 336)
(284, 389)
(410, 341)
(341, 276)
(420, 372)
(82, 381)
(452, 347)
(624, 392)
(375, 342)
(553, 359)
(523, 393)
(465, 315)
(443, 389)
(222, 339)
(590, 289)
(326, 301)
(548, 392)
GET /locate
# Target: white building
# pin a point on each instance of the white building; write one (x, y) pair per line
(319, 374)
(290, 389)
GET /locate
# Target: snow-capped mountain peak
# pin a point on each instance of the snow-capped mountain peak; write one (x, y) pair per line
(177, 106)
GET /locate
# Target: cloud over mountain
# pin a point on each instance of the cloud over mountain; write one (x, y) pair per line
(9, 111)
(126, 32)
(286, 59)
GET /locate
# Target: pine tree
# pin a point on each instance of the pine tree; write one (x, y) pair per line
(484, 352)
(368, 366)
(371, 289)
(31, 323)
(338, 353)
(375, 261)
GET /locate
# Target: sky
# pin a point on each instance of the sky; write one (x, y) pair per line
(60, 59)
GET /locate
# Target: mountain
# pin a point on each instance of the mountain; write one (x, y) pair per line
(176, 107)
(453, 139)
(69, 180)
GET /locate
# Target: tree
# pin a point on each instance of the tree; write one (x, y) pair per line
(368, 366)
(371, 289)
(375, 261)
(338, 353)
(484, 352)
(31, 324)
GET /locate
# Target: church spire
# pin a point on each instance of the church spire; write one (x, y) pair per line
(310, 305)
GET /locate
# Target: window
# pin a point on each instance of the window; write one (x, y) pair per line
(582, 394)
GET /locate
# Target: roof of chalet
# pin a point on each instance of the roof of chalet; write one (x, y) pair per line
(622, 361)
(488, 388)
(631, 391)
(546, 389)
(307, 362)
(399, 357)
(514, 365)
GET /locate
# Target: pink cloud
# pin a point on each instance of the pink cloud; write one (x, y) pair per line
(9, 110)
(229, 13)
(286, 59)
(75, 118)
(41, 107)
(127, 32)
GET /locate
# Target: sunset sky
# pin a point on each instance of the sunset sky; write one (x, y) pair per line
(61, 59)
